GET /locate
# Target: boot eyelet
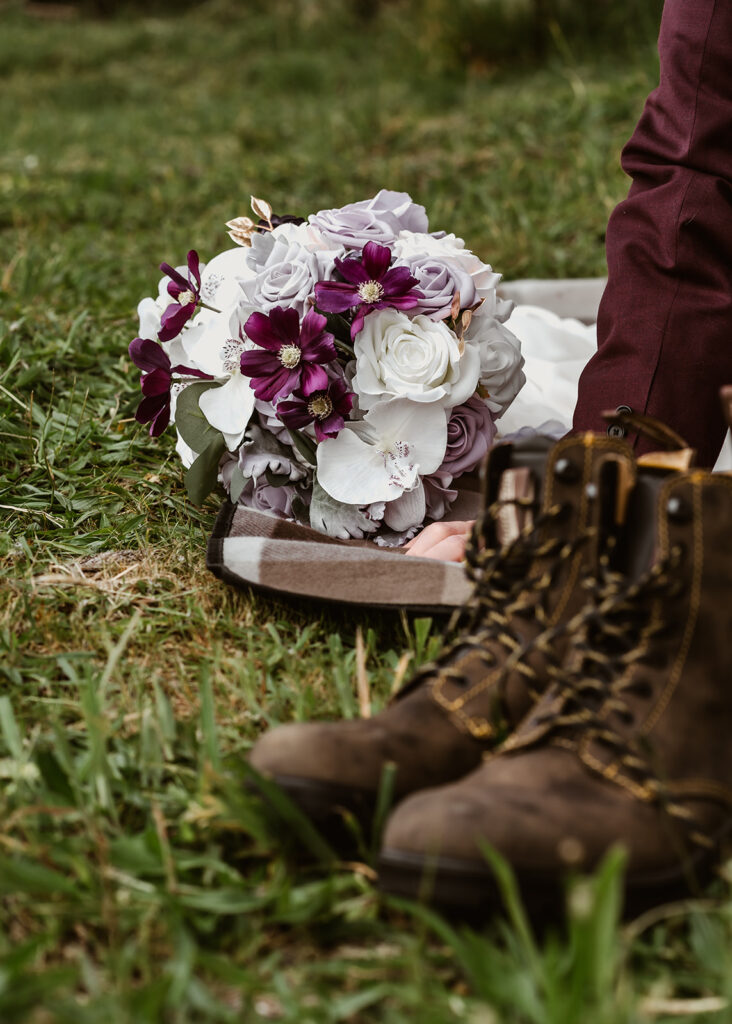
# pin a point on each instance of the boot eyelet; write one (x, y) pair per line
(679, 551)
(591, 491)
(678, 509)
(566, 471)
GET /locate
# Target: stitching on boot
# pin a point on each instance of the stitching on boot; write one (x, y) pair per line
(694, 601)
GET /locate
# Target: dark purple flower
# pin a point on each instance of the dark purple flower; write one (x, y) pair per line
(369, 284)
(293, 355)
(326, 409)
(186, 295)
(155, 382)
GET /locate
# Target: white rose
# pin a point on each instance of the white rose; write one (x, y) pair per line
(419, 359)
(501, 362)
(305, 235)
(450, 248)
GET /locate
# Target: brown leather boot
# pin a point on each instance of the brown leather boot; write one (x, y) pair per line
(630, 744)
(457, 708)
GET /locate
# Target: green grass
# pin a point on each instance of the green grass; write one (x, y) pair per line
(139, 879)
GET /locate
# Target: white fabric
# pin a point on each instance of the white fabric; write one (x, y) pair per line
(556, 349)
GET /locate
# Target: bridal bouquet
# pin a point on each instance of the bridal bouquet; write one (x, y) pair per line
(342, 372)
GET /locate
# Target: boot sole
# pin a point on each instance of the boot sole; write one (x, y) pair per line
(468, 890)
(343, 816)
(460, 889)
(322, 800)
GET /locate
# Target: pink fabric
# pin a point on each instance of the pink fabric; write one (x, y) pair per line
(665, 320)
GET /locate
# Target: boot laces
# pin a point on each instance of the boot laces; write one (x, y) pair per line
(623, 625)
(618, 627)
(499, 577)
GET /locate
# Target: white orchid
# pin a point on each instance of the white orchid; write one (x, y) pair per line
(383, 456)
(229, 408)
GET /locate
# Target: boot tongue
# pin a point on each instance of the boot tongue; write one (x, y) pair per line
(640, 531)
(514, 478)
(517, 486)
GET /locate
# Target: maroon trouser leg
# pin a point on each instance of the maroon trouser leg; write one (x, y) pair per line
(665, 321)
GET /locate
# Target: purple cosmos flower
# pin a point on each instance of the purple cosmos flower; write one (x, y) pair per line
(293, 355)
(369, 284)
(155, 382)
(325, 408)
(186, 295)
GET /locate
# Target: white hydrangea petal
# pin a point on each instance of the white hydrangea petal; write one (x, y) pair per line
(204, 341)
(221, 280)
(229, 407)
(150, 313)
(185, 452)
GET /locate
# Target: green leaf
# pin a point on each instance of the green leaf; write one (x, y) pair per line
(9, 729)
(237, 484)
(202, 476)
(20, 875)
(192, 425)
(305, 445)
(300, 511)
(276, 479)
(340, 328)
(54, 775)
(210, 745)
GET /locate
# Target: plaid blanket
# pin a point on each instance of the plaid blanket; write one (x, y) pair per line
(251, 549)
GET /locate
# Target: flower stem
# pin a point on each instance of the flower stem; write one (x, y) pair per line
(344, 346)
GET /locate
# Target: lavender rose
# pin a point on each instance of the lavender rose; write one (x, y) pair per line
(470, 433)
(264, 497)
(501, 363)
(257, 492)
(271, 423)
(439, 280)
(450, 248)
(372, 220)
(287, 278)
